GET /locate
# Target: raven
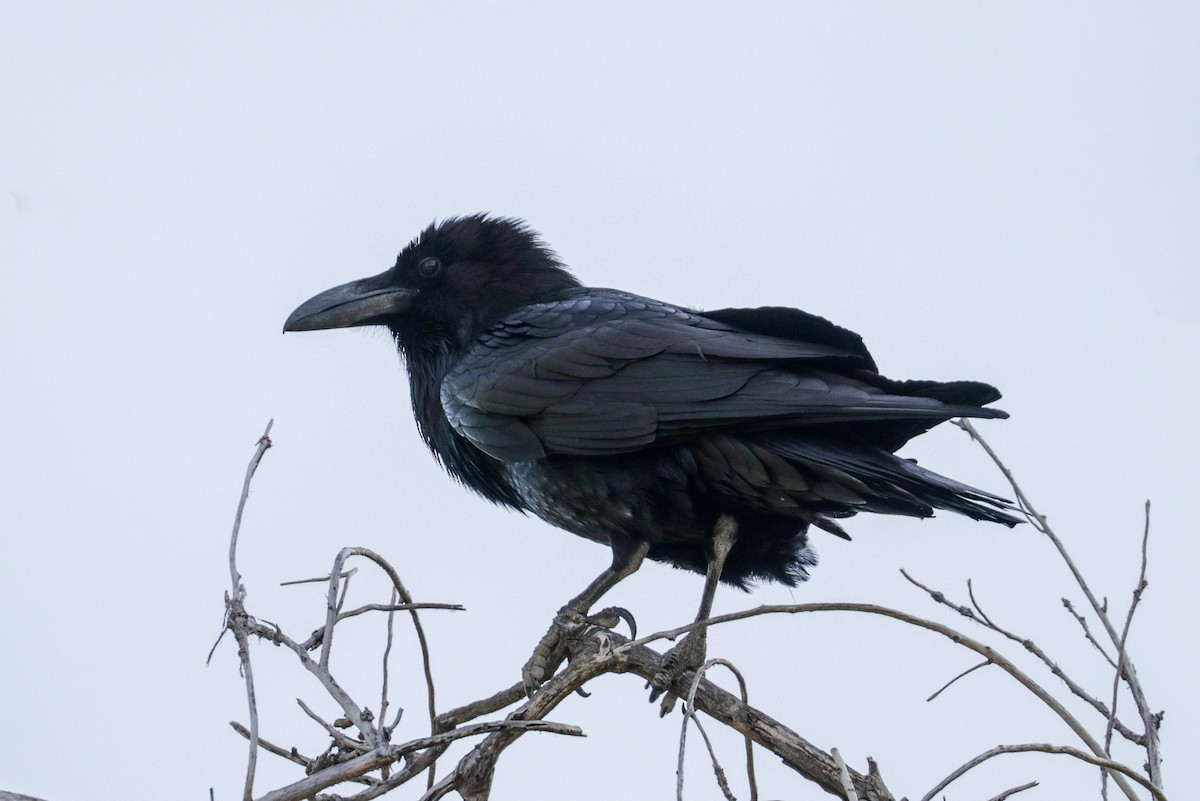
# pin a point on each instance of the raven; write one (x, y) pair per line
(710, 440)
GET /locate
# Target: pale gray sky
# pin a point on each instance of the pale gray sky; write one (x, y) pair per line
(1003, 192)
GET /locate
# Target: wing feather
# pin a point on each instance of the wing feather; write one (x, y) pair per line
(602, 372)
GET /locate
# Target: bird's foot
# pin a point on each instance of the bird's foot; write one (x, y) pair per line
(687, 655)
(569, 624)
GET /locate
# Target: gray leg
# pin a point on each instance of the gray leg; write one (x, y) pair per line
(551, 650)
(690, 653)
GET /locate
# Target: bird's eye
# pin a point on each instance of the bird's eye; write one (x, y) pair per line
(428, 268)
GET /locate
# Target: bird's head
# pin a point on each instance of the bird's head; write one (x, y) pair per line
(449, 284)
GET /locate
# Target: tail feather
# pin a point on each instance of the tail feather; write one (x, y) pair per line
(898, 486)
(961, 399)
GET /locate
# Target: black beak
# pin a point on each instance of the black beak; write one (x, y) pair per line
(368, 301)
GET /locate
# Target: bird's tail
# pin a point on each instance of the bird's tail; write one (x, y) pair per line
(873, 480)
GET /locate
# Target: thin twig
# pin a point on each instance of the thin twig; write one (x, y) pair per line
(397, 608)
(351, 710)
(317, 579)
(383, 691)
(1149, 719)
(1112, 767)
(1031, 647)
(406, 597)
(291, 755)
(236, 613)
(1039, 522)
(689, 715)
(1087, 632)
(338, 736)
(1121, 652)
(264, 442)
(974, 603)
(718, 771)
(1013, 791)
(969, 670)
(388, 754)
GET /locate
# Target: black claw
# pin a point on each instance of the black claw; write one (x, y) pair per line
(627, 616)
(609, 617)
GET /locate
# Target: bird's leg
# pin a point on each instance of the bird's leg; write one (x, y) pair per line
(552, 648)
(690, 653)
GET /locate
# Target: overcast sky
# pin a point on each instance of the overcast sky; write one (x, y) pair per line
(1007, 192)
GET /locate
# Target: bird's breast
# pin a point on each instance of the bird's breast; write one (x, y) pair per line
(648, 498)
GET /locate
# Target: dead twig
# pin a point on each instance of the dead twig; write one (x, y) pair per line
(689, 716)
(847, 784)
(397, 608)
(1087, 632)
(382, 756)
(290, 754)
(969, 670)
(1013, 791)
(405, 597)
(335, 734)
(383, 690)
(976, 615)
(235, 612)
(955, 636)
(1150, 719)
(1121, 651)
(1114, 768)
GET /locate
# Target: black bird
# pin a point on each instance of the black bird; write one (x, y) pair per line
(710, 440)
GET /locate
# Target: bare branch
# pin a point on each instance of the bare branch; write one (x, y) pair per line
(236, 614)
(274, 634)
(969, 670)
(847, 784)
(1087, 632)
(413, 767)
(338, 736)
(397, 608)
(484, 706)
(264, 442)
(940, 597)
(290, 754)
(974, 603)
(1151, 742)
(718, 771)
(1031, 647)
(958, 637)
(317, 579)
(1150, 720)
(383, 690)
(689, 715)
(802, 756)
(386, 755)
(407, 598)
(1114, 768)
(1013, 791)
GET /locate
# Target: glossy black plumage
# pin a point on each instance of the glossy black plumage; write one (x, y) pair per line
(623, 419)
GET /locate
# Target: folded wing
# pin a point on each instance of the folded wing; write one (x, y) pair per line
(603, 372)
